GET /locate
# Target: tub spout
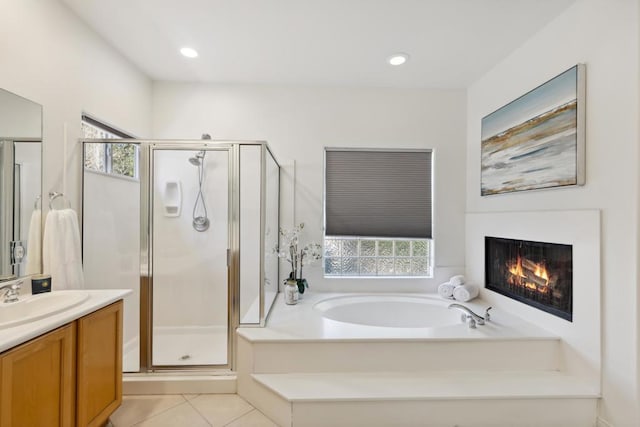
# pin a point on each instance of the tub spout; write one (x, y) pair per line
(468, 315)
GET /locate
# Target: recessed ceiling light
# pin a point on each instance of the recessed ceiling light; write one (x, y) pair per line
(189, 52)
(398, 58)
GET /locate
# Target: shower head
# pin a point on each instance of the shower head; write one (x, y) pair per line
(197, 159)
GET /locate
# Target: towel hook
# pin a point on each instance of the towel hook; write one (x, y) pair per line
(54, 195)
(35, 203)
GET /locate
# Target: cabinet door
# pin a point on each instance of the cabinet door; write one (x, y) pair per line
(37, 381)
(99, 365)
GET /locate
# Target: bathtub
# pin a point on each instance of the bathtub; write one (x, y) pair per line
(393, 311)
(383, 317)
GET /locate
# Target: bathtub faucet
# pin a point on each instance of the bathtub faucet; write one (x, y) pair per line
(469, 316)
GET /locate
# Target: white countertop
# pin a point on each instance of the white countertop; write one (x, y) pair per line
(12, 336)
(301, 322)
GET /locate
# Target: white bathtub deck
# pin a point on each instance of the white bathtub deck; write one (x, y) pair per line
(302, 323)
(306, 370)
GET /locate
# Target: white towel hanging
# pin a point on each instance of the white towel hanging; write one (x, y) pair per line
(61, 250)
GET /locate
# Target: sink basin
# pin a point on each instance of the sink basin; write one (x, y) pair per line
(34, 307)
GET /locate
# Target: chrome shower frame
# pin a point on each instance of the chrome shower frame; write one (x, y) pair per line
(232, 324)
(146, 149)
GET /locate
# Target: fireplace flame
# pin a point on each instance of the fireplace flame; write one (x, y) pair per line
(528, 274)
(516, 269)
(541, 272)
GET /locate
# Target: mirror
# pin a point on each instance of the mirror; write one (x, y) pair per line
(20, 185)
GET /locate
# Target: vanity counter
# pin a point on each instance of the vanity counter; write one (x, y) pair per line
(15, 335)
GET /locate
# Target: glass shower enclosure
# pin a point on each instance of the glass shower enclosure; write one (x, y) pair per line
(190, 230)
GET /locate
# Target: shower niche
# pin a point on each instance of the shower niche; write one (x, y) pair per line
(172, 198)
(190, 232)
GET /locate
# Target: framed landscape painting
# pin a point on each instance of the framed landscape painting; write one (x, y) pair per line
(538, 140)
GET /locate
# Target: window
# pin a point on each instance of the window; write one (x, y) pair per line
(110, 158)
(378, 213)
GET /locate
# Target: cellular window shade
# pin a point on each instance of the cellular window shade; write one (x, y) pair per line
(378, 193)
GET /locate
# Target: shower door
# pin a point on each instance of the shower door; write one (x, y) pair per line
(189, 223)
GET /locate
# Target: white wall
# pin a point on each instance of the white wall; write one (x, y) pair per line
(603, 35)
(299, 122)
(50, 57)
(19, 117)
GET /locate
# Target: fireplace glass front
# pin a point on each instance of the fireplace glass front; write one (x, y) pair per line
(535, 273)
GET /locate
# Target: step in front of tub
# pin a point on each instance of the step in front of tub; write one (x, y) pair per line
(428, 398)
(540, 354)
(371, 386)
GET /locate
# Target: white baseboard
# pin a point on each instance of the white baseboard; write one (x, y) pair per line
(183, 384)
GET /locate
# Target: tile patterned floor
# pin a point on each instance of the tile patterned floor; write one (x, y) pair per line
(188, 410)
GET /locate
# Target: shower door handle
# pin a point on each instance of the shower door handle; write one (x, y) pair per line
(17, 251)
(228, 257)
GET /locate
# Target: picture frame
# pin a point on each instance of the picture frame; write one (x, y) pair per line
(537, 141)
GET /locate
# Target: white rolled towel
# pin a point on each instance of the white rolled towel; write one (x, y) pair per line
(445, 290)
(466, 292)
(457, 280)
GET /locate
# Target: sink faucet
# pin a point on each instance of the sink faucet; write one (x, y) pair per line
(11, 294)
(469, 316)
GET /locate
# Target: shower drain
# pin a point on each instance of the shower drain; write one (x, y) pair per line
(185, 357)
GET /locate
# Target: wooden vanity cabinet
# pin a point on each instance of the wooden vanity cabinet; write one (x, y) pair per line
(37, 381)
(99, 379)
(71, 376)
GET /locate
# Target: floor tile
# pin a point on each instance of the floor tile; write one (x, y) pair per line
(254, 418)
(181, 415)
(221, 409)
(138, 408)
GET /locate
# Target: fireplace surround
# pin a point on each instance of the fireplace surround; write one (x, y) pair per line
(539, 274)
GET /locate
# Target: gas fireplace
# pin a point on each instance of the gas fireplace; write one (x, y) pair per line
(535, 273)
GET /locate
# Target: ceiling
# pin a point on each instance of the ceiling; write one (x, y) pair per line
(451, 43)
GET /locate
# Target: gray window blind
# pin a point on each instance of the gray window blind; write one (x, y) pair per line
(378, 193)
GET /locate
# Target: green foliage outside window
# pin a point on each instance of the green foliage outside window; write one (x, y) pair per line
(123, 159)
(110, 158)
